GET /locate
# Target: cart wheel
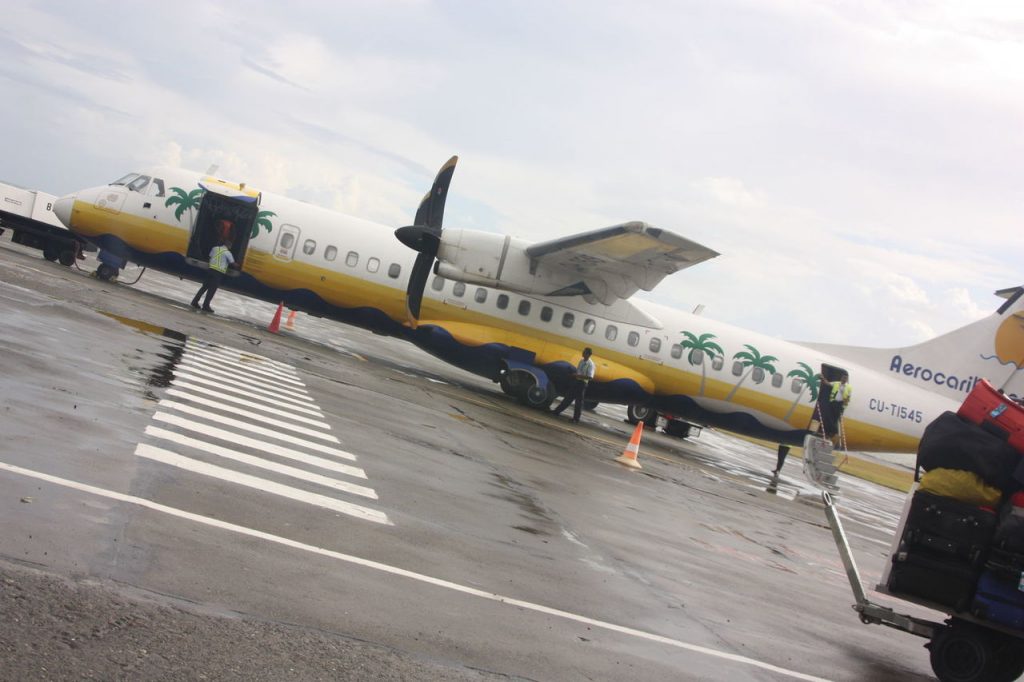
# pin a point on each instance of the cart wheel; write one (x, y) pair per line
(961, 652)
(1011, 660)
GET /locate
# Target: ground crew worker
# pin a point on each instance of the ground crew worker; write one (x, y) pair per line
(220, 260)
(577, 391)
(839, 393)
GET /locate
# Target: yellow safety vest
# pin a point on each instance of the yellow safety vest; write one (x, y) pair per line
(218, 261)
(845, 397)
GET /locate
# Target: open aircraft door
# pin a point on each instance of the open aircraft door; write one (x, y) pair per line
(225, 211)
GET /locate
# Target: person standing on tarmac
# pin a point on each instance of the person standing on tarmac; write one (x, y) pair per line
(584, 373)
(220, 260)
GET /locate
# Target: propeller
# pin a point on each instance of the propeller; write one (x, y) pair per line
(424, 236)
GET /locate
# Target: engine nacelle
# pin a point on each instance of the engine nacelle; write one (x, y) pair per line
(497, 261)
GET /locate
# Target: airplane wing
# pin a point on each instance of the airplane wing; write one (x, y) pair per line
(614, 262)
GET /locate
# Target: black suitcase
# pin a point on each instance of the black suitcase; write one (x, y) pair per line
(961, 528)
(949, 442)
(942, 580)
(917, 539)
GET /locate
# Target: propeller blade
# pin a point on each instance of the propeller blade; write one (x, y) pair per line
(424, 235)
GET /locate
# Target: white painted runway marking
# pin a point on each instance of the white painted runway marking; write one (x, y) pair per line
(261, 484)
(272, 408)
(420, 577)
(269, 421)
(245, 426)
(271, 448)
(227, 385)
(252, 460)
(193, 342)
(248, 368)
(201, 366)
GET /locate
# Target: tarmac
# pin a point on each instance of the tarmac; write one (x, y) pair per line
(188, 496)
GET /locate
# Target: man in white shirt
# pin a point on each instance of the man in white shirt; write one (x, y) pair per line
(577, 391)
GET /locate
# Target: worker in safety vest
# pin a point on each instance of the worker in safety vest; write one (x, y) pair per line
(577, 391)
(220, 260)
(839, 393)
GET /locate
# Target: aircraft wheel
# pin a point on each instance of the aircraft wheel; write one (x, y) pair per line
(590, 405)
(636, 413)
(538, 398)
(677, 428)
(105, 272)
(67, 257)
(51, 253)
(960, 652)
(505, 381)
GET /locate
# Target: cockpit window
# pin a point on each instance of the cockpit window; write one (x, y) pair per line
(139, 183)
(156, 188)
(125, 180)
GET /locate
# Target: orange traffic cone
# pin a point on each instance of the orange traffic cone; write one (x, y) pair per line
(289, 324)
(628, 457)
(275, 324)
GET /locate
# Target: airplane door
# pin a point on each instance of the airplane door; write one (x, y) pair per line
(220, 218)
(287, 240)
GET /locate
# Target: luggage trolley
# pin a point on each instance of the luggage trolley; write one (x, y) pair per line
(944, 555)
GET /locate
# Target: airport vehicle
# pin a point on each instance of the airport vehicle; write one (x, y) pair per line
(954, 555)
(29, 213)
(520, 313)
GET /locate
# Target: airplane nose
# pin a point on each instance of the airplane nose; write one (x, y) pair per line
(62, 209)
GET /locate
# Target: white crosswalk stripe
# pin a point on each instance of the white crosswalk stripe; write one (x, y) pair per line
(233, 415)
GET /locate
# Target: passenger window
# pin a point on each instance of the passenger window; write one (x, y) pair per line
(737, 368)
(717, 363)
(287, 239)
(655, 344)
(633, 339)
(524, 307)
(481, 295)
(589, 326)
(352, 259)
(546, 313)
(798, 385)
(331, 252)
(568, 320)
(776, 380)
(696, 356)
(373, 265)
(438, 283)
(394, 270)
(610, 332)
(502, 301)
(459, 289)
(309, 247)
(139, 183)
(757, 375)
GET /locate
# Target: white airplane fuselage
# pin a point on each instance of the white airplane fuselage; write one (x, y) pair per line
(356, 272)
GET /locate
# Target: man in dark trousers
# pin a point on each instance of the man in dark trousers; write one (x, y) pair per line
(577, 391)
(220, 260)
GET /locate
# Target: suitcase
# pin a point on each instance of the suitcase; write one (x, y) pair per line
(966, 527)
(996, 413)
(1010, 531)
(938, 579)
(950, 442)
(999, 600)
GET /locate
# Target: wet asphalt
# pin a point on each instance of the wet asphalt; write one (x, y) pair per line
(392, 508)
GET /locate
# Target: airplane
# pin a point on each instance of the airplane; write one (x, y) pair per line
(520, 313)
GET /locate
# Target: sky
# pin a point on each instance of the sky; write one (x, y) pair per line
(857, 164)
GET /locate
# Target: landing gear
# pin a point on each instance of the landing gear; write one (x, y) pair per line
(523, 387)
(962, 652)
(538, 398)
(677, 428)
(636, 413)
(51, 252)
(67, 257)
(105, 272)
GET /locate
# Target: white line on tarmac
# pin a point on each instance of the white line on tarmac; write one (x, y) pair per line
(270, 421)
(193, 342)
(393, 570)
(245, 426)
(250, 392)
(206, 367)
(266, 405)
(261, 484)
(270, 448)
(252, 460)
(241, 364)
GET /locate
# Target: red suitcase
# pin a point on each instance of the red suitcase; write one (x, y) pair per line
(997, 414)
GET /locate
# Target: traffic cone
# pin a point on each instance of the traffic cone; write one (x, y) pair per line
(275, 324)
(628, 457)
(290, 322)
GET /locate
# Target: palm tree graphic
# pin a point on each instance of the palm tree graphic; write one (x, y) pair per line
(701, 344)
(262, 220)
(811, 381)
(752, 360)
(186, 201)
